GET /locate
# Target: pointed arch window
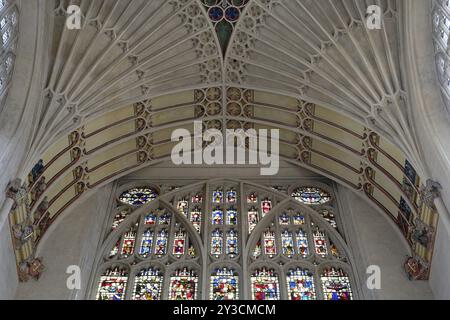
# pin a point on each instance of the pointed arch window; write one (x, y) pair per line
(179, 244)
(232, 243)
(265, 285)
(294, 255)
(148, 285)
(336, 284)
(113, 284)
(224, 285)
(161, 243)
(217, 243)
(300, 283)
(184, 285)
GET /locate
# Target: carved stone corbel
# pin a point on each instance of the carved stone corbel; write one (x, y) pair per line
(429, 193)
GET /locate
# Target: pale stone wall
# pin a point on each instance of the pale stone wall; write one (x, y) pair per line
(73, 241)
(375, 240)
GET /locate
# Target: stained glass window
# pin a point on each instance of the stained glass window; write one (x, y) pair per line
(224, 285)
(197, 198)
(138, 196)
(150, 219)
(148, 285)
(284, 219)
(320, 243)
(183, 207)
(129, 241)
(224, 14)
(217, 197)
(146, 244)
(232, 216)
(161, 243)
(216, 243)
(336, 285)
(232, 243)
(328, 215)
(287, 243)
(164, 219)
(184, 285)
(196, 218)
(179, 244)
(252, 198)
(253, 219)
(8, 40)
(162, 238)
(300, 283)
(302, 243)
(119, 218)
(299, 219)
(265, 285)
(311, 195)
(270, 247)
(217, 216)
(231, 196)
(115, 250)
(257, 251)
(266, 206)
(113, 284)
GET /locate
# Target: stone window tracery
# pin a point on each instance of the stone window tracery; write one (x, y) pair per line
(158, 251)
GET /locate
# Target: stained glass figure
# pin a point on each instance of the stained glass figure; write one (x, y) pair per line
(161, 243)
(265, 285)
(183, 207)
(311, 195)
(146, 244)
(232, 243)
(287, 243)
(270, 247)
(164, 219)
(300, 285)
(329, 217)
(252, 198)
(196, 218)
(217, 197)
(112, 284)
(320, 243)
(299, 219)
(198, 198)
(138, 196)
(179, 244)
(148, 285)
(224, 285)
(302, 243)
(266, 206)
(217, 216)
(119, 218)
(129, 240)
(336, 284)
(232, 216)
(253, 219)
(183, 285)
(284, 219)
(257, 251)
(216, 243)
(231, 196)
(150, 219)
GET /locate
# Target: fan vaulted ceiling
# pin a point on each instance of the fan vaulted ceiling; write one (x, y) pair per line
(139, 69)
